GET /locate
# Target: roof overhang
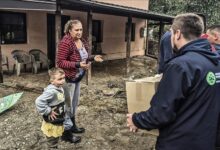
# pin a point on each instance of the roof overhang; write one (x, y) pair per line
(111, 9)
(84, 5)
(28, 5)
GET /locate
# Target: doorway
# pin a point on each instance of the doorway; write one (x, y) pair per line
(97, 36)
(51, 40)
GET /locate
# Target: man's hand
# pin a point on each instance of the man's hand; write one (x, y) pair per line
(98, 58)
(52, 115)
(130, 123)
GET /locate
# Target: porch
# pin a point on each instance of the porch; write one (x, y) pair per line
(126, 38)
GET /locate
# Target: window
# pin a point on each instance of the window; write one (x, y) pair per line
(132, 31)
(12, 28)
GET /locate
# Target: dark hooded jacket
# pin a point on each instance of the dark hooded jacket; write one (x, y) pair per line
(217, 48)
(186, 106)
(165, 51)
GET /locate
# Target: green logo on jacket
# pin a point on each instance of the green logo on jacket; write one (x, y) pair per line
(210, 78)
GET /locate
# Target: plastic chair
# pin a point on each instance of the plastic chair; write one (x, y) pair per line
(38, 58)
(5, 62)
(21, 58)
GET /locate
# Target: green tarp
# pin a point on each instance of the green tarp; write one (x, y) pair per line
(8, 101)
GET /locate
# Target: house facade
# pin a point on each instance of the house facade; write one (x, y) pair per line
(33, 27)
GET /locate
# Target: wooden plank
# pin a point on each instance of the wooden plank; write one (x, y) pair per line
(147, 38)
(128, 47)
(161, 30)
(89, 36)
(1, 73)
(57, 26)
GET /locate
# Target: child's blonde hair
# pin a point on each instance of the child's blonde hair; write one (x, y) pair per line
(54, 71)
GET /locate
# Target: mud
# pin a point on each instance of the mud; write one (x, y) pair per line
(102, 110)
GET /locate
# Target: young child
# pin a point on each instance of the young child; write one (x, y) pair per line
(50, 105)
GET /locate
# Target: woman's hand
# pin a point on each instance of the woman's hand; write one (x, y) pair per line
(84, 65)
(98, 58)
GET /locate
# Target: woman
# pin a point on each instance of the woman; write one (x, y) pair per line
(73, 58)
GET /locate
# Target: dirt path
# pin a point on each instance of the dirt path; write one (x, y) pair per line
(102, 110)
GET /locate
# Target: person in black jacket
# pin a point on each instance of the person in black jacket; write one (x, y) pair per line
(165, 51)
(213, 33)
(186, 106)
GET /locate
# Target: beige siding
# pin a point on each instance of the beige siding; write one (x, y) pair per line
(113, 44)
(36, 35)
(142, 4)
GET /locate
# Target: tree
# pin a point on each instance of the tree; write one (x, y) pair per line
(209, 8)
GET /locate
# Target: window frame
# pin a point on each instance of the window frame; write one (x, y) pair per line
(20, 40)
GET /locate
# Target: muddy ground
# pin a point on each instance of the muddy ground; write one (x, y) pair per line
(102, 110)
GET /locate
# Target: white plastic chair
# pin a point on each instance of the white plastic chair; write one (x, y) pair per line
(21, 58)
(5, 62)
(38, 59)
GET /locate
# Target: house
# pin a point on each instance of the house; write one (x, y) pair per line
(29, 24)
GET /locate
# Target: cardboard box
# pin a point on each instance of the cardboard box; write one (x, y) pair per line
(139, 93)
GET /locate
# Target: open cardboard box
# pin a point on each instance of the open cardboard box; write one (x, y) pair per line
(139, 93)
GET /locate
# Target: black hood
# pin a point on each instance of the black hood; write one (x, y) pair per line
(203, 47)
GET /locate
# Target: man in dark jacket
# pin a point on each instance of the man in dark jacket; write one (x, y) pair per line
(165, 51)
(186, 105)
(213, 33)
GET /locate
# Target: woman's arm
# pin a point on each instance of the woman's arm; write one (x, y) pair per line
(62, 57)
